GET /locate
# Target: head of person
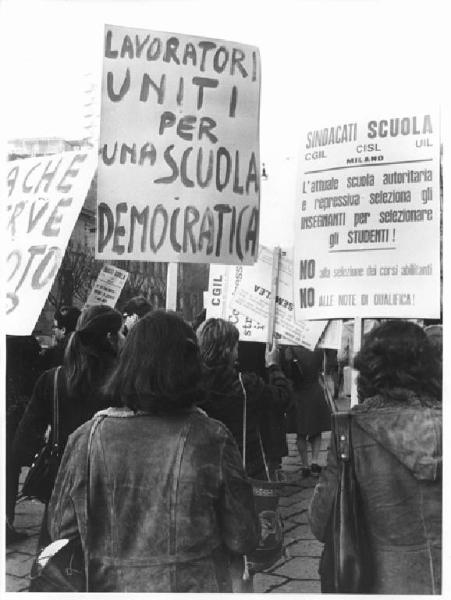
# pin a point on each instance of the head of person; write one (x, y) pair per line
(218, 343)
(435, 336)
(159, 367)
(92, 349)
(64, 322)
(136, 308)
(397, 355)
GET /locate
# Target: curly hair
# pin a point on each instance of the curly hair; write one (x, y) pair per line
(159, 366)
(217, 340)
(397, 354)
(138, 305)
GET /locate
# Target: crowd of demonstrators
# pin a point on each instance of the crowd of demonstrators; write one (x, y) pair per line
(311, 413)
(182, 510)
(89, 357)
(162, 412)
(396, 434)
(64, 323)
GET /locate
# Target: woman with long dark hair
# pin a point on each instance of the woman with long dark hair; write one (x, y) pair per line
(224, 389)
(169, 504)
(90, 356)
(396, 432)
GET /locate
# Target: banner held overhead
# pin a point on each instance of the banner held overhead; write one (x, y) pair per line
(44, 198)
(368, 219)
(179, 163)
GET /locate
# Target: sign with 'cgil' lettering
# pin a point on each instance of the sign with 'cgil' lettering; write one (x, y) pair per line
(44, 198)
(251, 300)
(368, 218)
(223, 283)
(179, 149)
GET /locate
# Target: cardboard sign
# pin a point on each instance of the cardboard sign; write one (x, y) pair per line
(44, 198)
(253, 294)
(108, 286)
(179, 163)
(368, 219)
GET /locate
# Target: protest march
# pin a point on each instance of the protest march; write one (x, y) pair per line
(224, 307)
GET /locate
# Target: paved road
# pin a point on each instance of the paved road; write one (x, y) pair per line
(296, 573)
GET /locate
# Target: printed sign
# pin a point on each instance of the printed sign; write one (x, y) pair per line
(223, 282)
(252, 299)
(44, 198)
(108, 286)
(368, 219)
(179, 163)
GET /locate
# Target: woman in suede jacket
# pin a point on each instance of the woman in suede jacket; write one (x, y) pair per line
(396, 434)
(170, 508)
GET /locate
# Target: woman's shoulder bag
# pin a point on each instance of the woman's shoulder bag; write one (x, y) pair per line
(41, 476)
(62, 566)
(346, 561)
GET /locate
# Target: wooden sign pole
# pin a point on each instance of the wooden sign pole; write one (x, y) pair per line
(357, 344)
(171, 286)
(274, 288)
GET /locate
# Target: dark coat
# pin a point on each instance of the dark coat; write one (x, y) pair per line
(54, 355)
(311, 413)
(38, 415)
(397, 444)
(224, 401)
(169, 502)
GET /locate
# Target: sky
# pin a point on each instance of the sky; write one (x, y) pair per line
(320, 58)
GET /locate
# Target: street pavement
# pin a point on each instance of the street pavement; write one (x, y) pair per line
(297, 572)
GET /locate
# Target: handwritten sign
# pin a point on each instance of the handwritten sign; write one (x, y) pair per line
(44, 198)
(252, 299)
(368, 219)
(179, 163)
(108, 286)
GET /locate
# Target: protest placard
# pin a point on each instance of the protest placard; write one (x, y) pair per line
(332, 335)
(108, 286)
(368, 219)
(252, 299)
(44, 198)
(179, 173)
(223, 282)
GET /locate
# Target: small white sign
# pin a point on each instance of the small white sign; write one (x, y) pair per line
(108, 286)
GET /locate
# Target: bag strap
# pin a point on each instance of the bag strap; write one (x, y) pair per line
(327, 395)
(342, 432)
(263, 455)
(244, 418)
(245, 428)
(55, 417)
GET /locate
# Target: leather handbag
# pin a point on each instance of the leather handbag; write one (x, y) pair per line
(41, 476)
(62, 566)
(346, 561)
